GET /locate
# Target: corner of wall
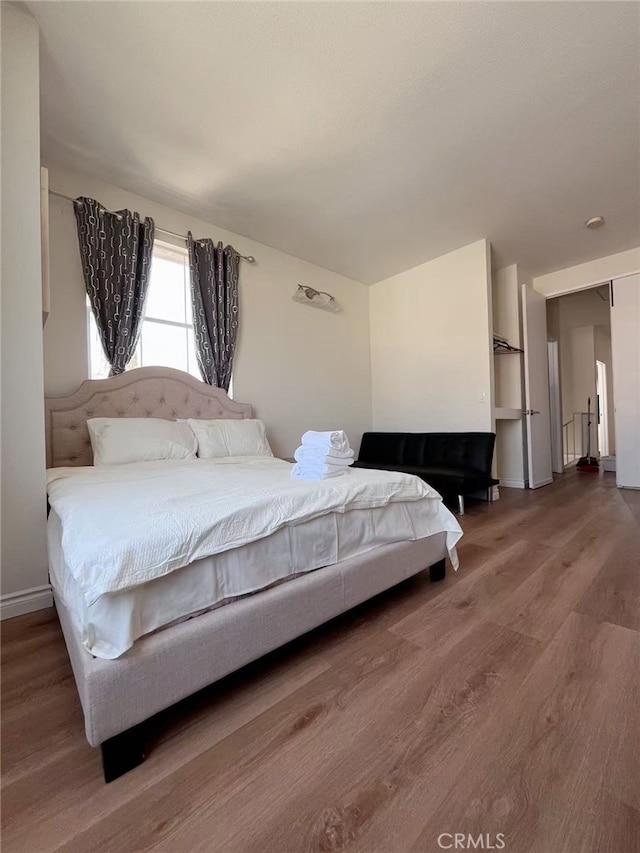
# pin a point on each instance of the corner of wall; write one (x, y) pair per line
(24, 558)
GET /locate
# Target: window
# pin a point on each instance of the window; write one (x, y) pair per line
(166, 338)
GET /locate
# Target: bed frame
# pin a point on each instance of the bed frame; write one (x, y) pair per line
(118, 696)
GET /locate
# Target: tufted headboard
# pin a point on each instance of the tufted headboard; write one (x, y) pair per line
(147, 392)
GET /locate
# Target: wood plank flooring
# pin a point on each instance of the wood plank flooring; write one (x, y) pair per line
(504, 700)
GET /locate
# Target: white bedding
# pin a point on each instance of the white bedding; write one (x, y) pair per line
(128, 525)
(114, 622)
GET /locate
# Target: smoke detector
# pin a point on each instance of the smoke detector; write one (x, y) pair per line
(595, 222)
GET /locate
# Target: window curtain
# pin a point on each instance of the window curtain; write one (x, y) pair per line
(214, 297)
(115, 250)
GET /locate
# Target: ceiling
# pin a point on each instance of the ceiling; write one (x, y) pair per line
(366, 137)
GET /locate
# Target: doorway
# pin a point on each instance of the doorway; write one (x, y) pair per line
(579, 324)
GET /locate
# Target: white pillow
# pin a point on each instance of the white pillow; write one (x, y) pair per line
(230, 438)
(116, 441)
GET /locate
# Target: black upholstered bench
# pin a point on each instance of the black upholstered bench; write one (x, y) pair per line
(454, 463)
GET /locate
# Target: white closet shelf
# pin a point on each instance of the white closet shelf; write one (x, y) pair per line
(502, 414)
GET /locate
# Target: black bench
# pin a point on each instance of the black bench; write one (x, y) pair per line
(454, 463)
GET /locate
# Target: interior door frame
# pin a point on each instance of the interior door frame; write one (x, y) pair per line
(602, 404)
(591, 285)
(555, 407)
(536, 375)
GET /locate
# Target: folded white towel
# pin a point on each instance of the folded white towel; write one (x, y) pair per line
(331, 454)
(323, 467)
(315, 455)
(333, 439)
(316, 472)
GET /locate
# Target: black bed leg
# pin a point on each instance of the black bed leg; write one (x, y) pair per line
(122, 753)
(437, 571)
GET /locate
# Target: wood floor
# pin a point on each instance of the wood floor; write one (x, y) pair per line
(504, 700)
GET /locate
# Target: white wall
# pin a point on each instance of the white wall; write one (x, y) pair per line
(431, 351)
(586, 275)
(300, 367)
(24, 561)
(582, 348)
(66, 355)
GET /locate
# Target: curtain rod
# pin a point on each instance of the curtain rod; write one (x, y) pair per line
(249, 258)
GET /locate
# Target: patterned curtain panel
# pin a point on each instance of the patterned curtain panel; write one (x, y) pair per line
(214, 296)
(115, 249)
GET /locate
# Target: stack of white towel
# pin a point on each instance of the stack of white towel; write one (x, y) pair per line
(322, 455)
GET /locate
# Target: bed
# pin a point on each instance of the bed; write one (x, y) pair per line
(132, 654)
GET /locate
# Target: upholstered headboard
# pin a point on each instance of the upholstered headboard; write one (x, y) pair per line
(148, 392)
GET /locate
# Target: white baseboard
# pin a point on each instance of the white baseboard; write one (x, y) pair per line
(539, 485)
(512, 484)
(26, 601)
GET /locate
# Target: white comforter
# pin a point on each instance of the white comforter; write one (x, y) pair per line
(125, 525)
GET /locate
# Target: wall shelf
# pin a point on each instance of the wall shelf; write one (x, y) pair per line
(505, 414)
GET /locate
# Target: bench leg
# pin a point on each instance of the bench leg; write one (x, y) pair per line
(437, 571)
(122, 753)
(461, 504)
